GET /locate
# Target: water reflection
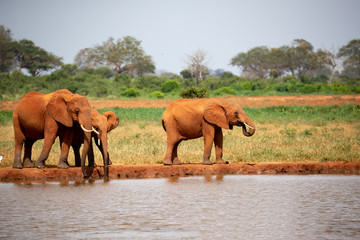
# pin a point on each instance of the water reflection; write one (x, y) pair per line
(209, 207)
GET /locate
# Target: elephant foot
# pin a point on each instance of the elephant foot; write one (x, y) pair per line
(167, 162)
(92, 165)
(17, 164)
(207, 162)
(220, 161)
(63, 165)
(28, 163)
(39, 164)
(176, 161)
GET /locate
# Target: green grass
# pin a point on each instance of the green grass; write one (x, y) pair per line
(5, 117)
(316, 115)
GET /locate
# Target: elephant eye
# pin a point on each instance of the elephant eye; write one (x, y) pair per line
(236, 113)
(77, 111)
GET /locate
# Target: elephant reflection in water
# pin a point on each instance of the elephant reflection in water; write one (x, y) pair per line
(46, 116)
(102, 124)
(189, 119)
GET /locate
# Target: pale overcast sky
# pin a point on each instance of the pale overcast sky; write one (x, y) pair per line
(171, 29)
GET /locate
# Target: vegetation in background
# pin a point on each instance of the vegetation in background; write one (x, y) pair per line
(121, 69)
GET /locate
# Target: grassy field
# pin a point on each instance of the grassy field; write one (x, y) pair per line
(283, 134)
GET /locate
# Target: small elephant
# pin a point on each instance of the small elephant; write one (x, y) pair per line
(102, 123)
(189, 119)
(45, 116)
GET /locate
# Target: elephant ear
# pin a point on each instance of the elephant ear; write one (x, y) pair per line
(57, 109)
(214, 113)
(112, 119)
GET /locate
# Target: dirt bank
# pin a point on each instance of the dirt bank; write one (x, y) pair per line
(154, 171)
(254, 102)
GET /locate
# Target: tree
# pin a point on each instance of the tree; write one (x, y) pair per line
(255, 61)
(87, 58)
(33, 58)
(122, 56)
(301, 57)
(185, 74)
(331, 60)
(6, 53)
(197, 65)
(351, 54)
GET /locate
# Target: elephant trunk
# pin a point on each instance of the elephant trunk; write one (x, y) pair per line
(86, 148)
(248, 127)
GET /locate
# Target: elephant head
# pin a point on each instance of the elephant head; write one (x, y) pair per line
(67, 109)
(103, 123)
(227, 115)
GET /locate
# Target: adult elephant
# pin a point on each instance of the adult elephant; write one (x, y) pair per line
(46, 116)
(188, 119)
(102, 123)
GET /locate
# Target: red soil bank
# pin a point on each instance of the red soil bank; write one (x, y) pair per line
(154, 171)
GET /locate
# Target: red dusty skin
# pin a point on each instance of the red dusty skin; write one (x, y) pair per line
(155, 171)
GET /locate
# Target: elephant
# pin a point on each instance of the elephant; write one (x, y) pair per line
(46, 116)
(186, 119)
(102, 124)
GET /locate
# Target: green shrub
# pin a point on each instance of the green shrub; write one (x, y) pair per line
(194, 92)
(130, 92)
(225, 91)
(157, 95)
(5, 117)
(309, 88)
(169, 86)
(243, 86)
(124, 80)
(104, 72)
(152, 83)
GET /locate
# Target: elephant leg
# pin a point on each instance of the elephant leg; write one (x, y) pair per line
(171, 142)
(209, 134)
(65, 147)
(219, 146)
(76, 149)
(48, 142)
(27, 154)
(50, 132)
(174, 158)
(19, 141)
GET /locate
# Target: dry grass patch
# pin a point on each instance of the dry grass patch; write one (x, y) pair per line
(145, 143)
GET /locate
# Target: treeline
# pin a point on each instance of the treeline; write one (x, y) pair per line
(103, 83)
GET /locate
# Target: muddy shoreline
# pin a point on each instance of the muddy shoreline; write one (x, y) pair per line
(160, 171)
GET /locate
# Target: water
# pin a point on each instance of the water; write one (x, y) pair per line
(222, 207)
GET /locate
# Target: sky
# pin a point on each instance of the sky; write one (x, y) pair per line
(169, 30)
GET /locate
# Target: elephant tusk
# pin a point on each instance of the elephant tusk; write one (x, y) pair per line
(248, 126)
(84, 129)
(93, 129)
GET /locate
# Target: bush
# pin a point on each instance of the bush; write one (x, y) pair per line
(169, 86)
(104, 72)
(152, 83)
(130, 92)
(123, 79)
(225, 91)
(194, 92)
(157, 95)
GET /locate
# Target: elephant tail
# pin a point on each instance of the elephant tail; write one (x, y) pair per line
(163, 124)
